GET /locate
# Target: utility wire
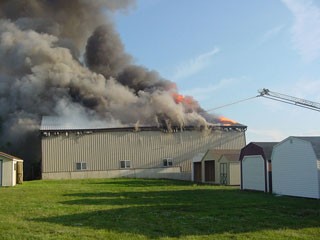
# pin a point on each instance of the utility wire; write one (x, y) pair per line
(229, 104)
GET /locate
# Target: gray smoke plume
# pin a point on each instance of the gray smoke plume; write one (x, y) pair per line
(41, 44)
(105, 52)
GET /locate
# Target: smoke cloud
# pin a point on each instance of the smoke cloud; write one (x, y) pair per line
(41, 74)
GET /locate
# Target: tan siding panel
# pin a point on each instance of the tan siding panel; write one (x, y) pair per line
(146, 149)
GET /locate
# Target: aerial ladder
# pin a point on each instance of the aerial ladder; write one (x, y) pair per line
(266, 93)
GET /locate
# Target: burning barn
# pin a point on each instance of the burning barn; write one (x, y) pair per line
(146, 152)
(65, 59)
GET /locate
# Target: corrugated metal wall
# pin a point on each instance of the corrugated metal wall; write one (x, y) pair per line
(146, 149)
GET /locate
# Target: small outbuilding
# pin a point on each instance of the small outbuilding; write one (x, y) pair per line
(255, 166)
(229, 168)
(11, 170)
(217, 166)
(296, 167)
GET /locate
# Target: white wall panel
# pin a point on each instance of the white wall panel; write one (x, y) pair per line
(253, 173)
(294, 169)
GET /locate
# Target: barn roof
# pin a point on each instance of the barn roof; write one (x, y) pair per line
(315, 142)
(52, 123)
(60, 123)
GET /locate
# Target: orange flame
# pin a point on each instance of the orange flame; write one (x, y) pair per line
(187, 101)
(226, 121)
(178, 98)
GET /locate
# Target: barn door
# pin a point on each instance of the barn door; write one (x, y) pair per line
(1, 173)
(209, 171)
(197, 171)
(223, 174)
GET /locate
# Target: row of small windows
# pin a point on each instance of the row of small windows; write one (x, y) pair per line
(167, 162)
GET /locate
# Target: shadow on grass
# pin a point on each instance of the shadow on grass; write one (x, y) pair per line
(179, 213)
(189, 197)
(123, 182)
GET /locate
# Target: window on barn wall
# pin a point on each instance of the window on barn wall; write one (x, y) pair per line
(125, 164)
(167, 162)
(81, 166)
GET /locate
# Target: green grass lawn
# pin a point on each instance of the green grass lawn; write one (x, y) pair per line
(151, 209)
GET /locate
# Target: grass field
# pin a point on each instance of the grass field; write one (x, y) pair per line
(151, 209)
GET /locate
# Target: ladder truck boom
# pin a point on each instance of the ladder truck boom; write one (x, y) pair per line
(266, 93)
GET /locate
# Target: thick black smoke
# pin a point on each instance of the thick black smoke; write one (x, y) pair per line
(42, 43)
(105, 54)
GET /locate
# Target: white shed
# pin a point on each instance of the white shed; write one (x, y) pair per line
(296, 167)
(255, 166)
(11, 170)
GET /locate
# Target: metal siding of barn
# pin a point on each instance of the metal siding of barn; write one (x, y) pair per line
(104, 150)
(294, 170)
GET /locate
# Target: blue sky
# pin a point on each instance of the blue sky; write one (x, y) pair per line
(223, 51)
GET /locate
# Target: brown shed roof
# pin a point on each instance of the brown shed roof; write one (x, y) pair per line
(232, 157)
(231, 154)
(267, 147)
(258, 148)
